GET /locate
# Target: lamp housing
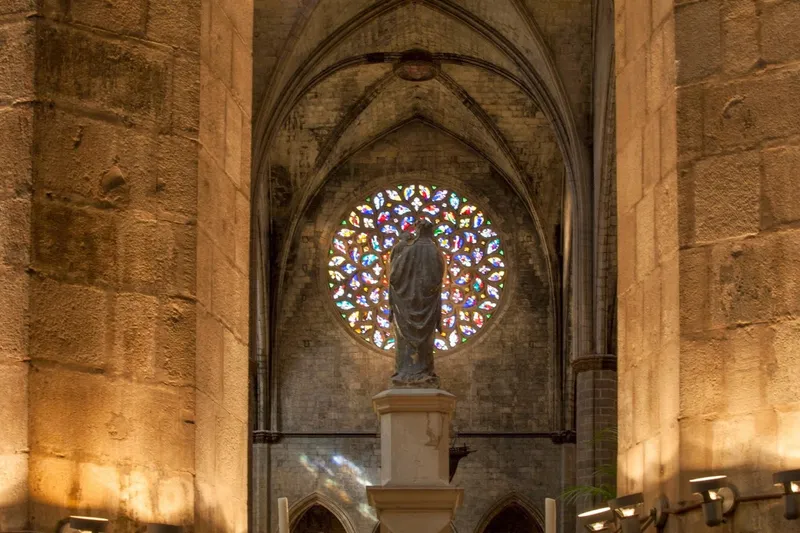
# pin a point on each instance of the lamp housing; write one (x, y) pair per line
(627, 510)
(790, 481)
(710, 489)
(88, 523)
(597, 519)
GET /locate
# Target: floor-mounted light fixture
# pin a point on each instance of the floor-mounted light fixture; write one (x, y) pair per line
(719, 498)
(790, 481)
(597, 519)
(88, 523)
(627, 509)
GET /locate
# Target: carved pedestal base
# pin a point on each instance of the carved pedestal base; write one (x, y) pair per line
(415, 494)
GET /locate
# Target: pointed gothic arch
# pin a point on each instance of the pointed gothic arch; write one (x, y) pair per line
(317, 499)
(512, 503)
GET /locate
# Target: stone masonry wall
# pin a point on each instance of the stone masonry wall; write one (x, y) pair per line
(721, 350)
(223, 265)
(100, 114)
(17, 44)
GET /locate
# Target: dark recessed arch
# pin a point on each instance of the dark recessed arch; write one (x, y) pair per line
(512, 509)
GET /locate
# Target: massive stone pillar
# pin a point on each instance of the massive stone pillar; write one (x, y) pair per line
(18, 38)
(124, 228)
(708, 100)
(596, 419)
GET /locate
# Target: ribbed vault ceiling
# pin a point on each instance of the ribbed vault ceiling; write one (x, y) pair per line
(331, 90)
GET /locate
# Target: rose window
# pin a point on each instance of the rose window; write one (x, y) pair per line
(359, 254)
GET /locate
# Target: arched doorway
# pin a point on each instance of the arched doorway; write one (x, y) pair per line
(318, 519)
(513, 519)
(511, 514)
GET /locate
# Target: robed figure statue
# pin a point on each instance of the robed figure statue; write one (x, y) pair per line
(415, 285)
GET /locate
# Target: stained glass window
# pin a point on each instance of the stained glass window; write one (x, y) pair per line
(359, 253)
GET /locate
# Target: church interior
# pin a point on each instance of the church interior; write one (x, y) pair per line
(201, 202)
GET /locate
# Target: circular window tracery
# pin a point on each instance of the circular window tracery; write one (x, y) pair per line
(359, 255)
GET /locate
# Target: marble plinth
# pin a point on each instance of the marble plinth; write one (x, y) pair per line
(415, 495)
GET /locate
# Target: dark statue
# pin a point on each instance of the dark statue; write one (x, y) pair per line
(415, 285)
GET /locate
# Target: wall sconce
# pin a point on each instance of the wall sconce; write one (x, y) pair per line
(627, 510)
(790, 481)
(598, 519)
(719, 499)
(88, 523)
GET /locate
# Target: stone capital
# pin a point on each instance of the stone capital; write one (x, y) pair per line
(597, 361)
(415, 509)
(414, 401)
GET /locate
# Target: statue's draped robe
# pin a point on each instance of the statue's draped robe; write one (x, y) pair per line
(415, 284)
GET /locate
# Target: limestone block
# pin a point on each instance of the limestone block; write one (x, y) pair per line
(216, 205)
(689, 122)
(660, 9)
(697, 27)
(740, 32)
(637, 27)
(233, 140)
(235, 376)
(15, 227)
(126, 16)
(780, 203)
(626, 250)
(205, 455)
(14, 409)
(95, 161)
(645, 236)
(745, 112)
(242, 231)
(77, 244)
(220, 44)
(175, 22)
(702, 374)
(14, 495)
(70, 324)
(175, 358)
(17, 6)
(779, 39)
(656, 85)
(242, 73)
(14, 336)
(727, 196)
(629, 173)
(210, 355)
(666, 217)
(204, 264)
(16, 128)
(118, 76)
(782, 355)
(229, 295)
(651, 156)
(17, 60)
(240, 13)
(135, 322)
(694, 275)
(186, 93)
(177, 167)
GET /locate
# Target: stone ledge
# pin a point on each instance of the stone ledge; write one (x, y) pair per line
(586, 363)
(414, 401)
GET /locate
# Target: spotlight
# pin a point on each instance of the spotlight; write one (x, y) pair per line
(716, 504)
(88, 523)
(627, 509)
(790, 481)
(597, 520)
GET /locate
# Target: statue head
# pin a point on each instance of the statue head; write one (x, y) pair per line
(424, 229)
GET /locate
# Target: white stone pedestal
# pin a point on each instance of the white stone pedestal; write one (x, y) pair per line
(415, 494)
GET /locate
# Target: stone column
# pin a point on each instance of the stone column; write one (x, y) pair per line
(596, 418)
(709, 248)
(415, 494)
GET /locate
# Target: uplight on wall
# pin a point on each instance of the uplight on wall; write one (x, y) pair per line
(627, 509)
(718, 498)
(790, 481)
(598, 519)
(88, 523)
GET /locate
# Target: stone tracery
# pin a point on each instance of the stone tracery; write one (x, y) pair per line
(358, 256)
